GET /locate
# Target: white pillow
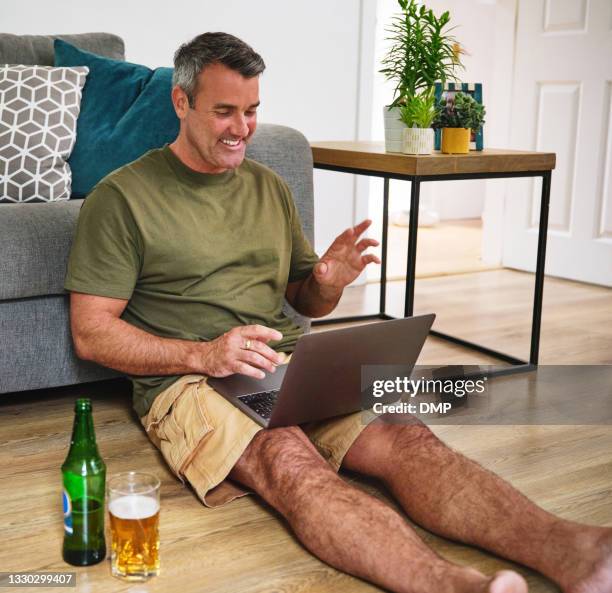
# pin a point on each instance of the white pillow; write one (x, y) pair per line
(39, 107)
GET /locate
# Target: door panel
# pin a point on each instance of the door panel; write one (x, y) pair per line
(562, 102)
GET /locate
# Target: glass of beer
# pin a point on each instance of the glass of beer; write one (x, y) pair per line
(133, 508)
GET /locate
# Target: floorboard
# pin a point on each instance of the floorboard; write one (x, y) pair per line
(245, 547)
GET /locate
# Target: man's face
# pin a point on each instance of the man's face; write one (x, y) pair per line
(223, 119)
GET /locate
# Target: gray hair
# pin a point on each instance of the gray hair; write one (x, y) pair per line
(213, 48)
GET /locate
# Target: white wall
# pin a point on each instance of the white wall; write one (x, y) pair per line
(312, 51)
(499, 125)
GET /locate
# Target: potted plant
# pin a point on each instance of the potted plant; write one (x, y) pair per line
(418, 113)
(458, 116)
(422, 52)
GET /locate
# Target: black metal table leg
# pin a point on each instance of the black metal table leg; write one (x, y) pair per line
(413, 225)
(517, 365)
(540, 264)
(383, 259)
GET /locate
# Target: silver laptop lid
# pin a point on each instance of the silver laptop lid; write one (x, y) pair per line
(324, 376)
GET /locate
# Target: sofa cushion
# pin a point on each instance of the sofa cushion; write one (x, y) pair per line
(126, 110)
(39, 106)
(38, 49)
(34, 241)
(37, 349)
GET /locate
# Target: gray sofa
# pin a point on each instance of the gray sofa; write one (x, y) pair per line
(35, 344)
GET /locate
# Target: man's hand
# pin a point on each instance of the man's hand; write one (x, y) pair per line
(318, 294)
(343, 261)
(242, 350)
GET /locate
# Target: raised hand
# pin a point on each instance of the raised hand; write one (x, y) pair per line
(344, 260)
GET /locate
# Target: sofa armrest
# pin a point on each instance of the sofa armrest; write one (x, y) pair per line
(287, 152)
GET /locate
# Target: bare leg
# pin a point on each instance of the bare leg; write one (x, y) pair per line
(455, 497)
(348, 528)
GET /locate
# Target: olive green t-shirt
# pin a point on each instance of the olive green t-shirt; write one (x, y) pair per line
(195, 254)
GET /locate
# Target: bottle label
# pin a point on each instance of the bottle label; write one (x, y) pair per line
(67, 504)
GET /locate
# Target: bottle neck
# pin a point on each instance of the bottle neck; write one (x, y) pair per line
(83, 435)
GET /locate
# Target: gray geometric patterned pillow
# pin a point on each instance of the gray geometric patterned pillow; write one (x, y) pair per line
(39, 107)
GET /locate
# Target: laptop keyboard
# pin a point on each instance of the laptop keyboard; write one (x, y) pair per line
(261, 403)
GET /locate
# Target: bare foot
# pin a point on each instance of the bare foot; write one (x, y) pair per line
(596, 576)
(507, 581)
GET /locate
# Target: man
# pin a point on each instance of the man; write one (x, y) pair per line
(178, 271)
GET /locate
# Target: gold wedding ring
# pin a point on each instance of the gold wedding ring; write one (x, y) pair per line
(247, 345)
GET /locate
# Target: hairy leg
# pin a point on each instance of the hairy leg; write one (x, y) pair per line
(348, 528)
(455, 497)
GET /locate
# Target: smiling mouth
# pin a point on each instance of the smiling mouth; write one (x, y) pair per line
(230, 143)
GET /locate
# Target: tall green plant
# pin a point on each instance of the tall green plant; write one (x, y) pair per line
(421, 53)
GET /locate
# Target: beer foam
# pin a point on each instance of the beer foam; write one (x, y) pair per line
(133, 506)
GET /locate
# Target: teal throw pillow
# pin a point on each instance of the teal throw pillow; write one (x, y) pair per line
(126, 110)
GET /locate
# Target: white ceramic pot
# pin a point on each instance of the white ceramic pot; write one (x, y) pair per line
(394, 128)
(418, 141)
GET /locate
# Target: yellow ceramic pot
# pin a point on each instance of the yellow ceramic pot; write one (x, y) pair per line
(456, 140)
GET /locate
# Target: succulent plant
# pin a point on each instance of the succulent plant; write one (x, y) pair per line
(460, 111)
(418, 110)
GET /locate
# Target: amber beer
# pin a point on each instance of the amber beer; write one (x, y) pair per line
(134, 522)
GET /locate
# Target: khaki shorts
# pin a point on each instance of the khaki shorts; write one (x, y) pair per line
(201, 436)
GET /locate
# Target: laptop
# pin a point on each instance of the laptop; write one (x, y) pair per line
(324, 376)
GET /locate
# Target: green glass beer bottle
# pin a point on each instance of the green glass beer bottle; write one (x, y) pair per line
(84, 475)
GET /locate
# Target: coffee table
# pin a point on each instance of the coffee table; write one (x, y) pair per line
(370, 158)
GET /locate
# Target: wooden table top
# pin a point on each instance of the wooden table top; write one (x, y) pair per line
(371, 156)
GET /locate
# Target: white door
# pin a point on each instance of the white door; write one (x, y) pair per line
(562, 102)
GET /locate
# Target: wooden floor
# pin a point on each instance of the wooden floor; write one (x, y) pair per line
(449, 247)
(245, 547)
(494, 308)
